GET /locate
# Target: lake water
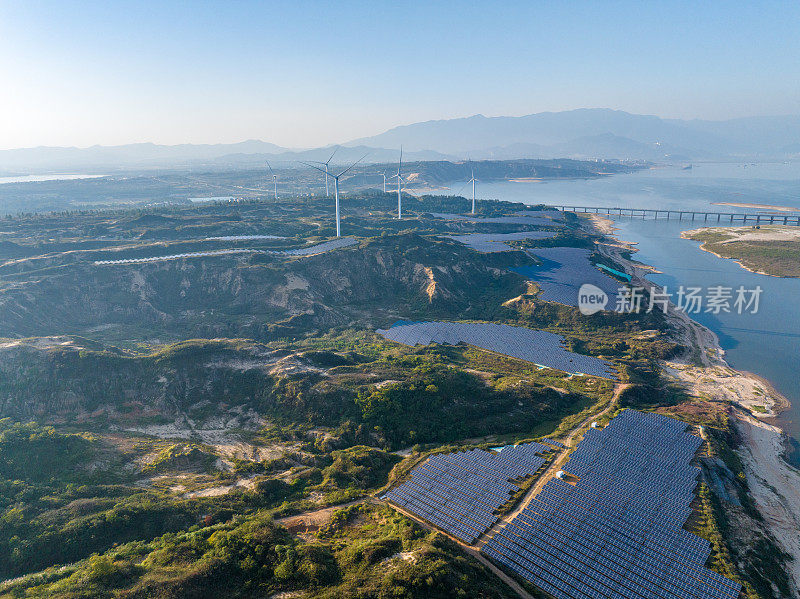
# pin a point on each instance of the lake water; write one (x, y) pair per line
(36, 178)
(766, 343)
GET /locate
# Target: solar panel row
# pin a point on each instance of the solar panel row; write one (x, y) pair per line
(617, 532)
(554, 442)
(493, 242)
(319, 248)
(209, 253)
(562, 273)
(521, 218)
(459, 492)
(540, 347)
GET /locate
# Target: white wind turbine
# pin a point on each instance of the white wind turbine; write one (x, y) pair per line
(274, 179)
(399, 177)
(473, 180)
(384, 181)
(327, 170)
(336, 184)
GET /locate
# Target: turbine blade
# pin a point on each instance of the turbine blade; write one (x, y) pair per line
(336, 149)
(270, 168)
(352, 165)
(322, 170)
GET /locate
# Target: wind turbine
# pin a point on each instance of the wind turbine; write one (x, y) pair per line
(399, 186)
(336, 183)
(274, 179)
(384, 181)
(326, 171)
(473, 180)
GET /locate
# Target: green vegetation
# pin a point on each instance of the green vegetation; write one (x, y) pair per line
(365, 551)
(772, 250)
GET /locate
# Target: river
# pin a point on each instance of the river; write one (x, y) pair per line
(766, 343)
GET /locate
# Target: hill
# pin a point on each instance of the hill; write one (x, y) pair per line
(594, 132)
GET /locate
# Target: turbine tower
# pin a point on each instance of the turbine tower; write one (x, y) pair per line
(399, 185)
(473, 180)
(384, 181)
(274, 179)
(336, 184)
(327, 172)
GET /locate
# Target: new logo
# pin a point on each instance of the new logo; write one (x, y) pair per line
(591, 299)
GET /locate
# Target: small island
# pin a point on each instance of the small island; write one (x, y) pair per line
(770, 250)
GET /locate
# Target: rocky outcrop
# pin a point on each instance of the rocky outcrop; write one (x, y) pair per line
(258, 297)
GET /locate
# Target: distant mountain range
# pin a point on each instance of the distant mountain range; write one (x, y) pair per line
(581, 134)
(146, 156)
(597, 133)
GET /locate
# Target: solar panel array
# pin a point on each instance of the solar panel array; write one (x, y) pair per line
(320, 248)
(617, 533)
(554, 442)
(563, 272)
(313, 250)
(521, 218)
(540, 347)
(555, 214)
(177, 256)
(493, 242)
(459, 492)
(243, 237)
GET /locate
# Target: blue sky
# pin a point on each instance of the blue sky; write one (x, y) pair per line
(302, 73)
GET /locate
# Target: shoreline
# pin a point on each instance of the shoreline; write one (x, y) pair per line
(709, 347)
(774, 484)
(703, 247)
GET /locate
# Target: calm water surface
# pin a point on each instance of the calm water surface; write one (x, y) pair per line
(36, 178)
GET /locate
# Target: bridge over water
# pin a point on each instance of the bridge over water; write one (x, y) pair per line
(789, 218)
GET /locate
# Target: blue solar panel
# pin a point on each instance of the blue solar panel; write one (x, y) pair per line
(548, 218)
(618, 531)
(320, 248)
(562, 273)
(459, 492)
(540, 347)
(494, 242)
(313, 250)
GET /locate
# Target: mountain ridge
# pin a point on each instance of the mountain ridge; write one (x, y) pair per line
(581, 133)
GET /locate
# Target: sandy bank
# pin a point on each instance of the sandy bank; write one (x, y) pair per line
(761, 206)
(765, 233)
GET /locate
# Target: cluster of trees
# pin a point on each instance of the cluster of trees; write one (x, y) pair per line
(358, 555)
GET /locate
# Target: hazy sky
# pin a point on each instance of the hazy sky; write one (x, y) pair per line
(302, 73)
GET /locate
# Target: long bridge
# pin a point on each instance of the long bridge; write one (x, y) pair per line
(690, 215)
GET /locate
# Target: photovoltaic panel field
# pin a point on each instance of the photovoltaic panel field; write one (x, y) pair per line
(540, 347)
(488, 243)
(313, 250)
(321, 248)
(459, 492)
(243, 237)
(617, 532)
(563, 272)
(540, 219)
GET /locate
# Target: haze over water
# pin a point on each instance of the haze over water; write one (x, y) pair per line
(766, 343)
